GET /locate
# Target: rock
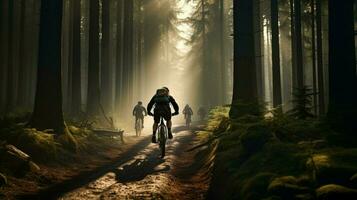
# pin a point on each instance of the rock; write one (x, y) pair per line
(336, 192)
(3, 180)
(286, 187)
(329, 170)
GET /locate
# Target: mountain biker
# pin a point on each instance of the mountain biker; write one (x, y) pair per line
(187, 111)
(202, 113)
(161, 100)
(139, 111)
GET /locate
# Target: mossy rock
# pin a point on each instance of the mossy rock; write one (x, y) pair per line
(336, 192)
(334, 167)
(255, 138)
(287, 187)
(3, 180)
(256, 187)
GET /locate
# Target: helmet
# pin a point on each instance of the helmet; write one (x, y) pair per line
(140, 102)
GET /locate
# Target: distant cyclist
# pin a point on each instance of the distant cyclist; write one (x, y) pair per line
(202, 113)
(162, 100)
(139, 112)
(187, 111)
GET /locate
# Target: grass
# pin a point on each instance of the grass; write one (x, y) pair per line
(263, 157)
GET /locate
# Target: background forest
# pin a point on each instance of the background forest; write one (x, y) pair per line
(278, 76)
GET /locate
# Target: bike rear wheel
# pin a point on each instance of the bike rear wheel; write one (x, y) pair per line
(162, 140)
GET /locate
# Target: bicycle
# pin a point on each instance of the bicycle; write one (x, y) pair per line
(162, 136)
(138, 127)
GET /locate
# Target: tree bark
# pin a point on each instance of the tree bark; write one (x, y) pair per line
(245, 82)
(10, 96)
(76, 101)
(22, 81)
(119, 57)
(105, 67)
(342, 67)
(128, 53)
(275, 46)
(93, 65)
(320, 67)
(47, 112)
(297, 34)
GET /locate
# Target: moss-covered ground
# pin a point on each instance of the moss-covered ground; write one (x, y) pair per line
(277, 156)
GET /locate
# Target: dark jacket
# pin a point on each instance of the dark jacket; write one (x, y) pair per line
(162, 102)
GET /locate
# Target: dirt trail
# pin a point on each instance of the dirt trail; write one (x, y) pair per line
(140, 173)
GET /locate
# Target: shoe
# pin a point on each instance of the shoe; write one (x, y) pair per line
(170, 135)
(153, 139)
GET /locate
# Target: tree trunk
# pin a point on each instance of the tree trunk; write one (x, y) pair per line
(320, 67)
(93, 65)
(22, 81)
(128, 53)
(105, 67)
(313, 47)
(76, 101)
(297, 34)
(277, 98)
(223, 67)
(10, 96)
(245, 82)
(119, 57)
(342, 67)
(3, 52)
(47, 112)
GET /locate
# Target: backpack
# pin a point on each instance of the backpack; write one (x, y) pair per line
(161, 97)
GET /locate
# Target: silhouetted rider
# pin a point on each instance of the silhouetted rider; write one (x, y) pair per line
(139, 112)
(162, 100)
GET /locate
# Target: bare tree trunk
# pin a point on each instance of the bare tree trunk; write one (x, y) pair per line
(342, 67)
(105, 67)
(47, 112)
(275, 46)
(119, 57)
(22, 81)
(320, 68)
(313, 47)
(128, 53)
(298, 45)
(93, 65)
(76, 101)
(10, 96)
(245, 82)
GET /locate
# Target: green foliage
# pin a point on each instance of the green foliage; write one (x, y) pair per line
(255, 138)
(256, 187)
(302, 101)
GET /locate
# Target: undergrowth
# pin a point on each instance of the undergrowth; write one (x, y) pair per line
(277, 156)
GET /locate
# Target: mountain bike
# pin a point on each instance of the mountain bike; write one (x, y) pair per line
(138, 127)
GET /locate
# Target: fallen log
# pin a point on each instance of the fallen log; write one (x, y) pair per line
(110, 133)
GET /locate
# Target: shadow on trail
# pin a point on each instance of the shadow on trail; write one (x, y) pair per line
(139, 169)
(55, 191)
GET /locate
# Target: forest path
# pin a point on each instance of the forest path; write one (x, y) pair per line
(140, 173)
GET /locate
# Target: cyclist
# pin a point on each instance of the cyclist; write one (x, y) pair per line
(162, 100)
(139, 112)
(187, 111)
(202, 113)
